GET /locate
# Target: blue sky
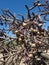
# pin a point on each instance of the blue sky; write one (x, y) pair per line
(17, 6)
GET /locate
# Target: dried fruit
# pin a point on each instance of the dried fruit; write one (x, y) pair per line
(24, 24)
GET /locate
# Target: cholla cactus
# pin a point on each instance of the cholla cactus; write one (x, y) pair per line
(31, 38)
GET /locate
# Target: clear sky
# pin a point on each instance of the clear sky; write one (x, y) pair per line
(17, 6)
